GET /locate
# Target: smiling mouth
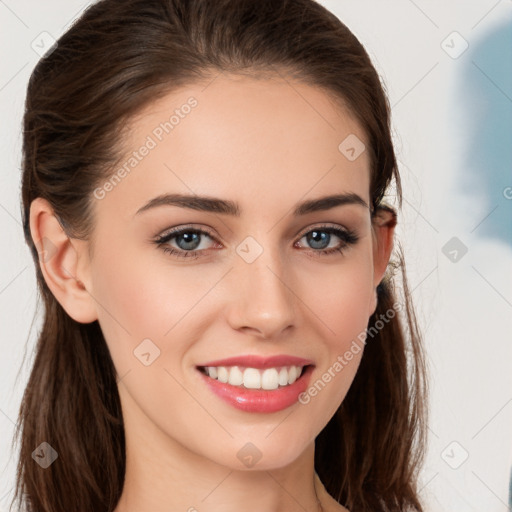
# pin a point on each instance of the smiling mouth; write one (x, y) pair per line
(255, 378)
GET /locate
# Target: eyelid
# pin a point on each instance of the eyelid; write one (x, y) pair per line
(185, 227)
(324, 225)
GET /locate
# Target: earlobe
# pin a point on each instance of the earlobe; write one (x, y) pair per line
(60, 261)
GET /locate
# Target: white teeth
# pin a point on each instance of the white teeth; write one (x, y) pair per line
(283, 377)
(222, 374)
(292, 375)
(253, 378)
(269, 379)
(236, 377)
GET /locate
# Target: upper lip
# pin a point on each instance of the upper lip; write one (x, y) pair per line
(254, 361)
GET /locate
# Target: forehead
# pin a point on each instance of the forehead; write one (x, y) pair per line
(241, 136)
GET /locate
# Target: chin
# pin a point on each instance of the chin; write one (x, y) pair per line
(261, 453)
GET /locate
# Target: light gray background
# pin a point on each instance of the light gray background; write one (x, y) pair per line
(452, 119)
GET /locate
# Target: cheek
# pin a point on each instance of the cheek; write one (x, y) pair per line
(141, 302)
(139, 298)
(341, 296)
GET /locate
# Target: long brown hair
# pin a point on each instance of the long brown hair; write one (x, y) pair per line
(118, 57)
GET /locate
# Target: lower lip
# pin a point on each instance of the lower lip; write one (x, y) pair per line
(260, 400)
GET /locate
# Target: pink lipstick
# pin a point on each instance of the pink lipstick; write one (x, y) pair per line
(258, 384)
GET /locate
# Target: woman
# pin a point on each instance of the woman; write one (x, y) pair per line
(203, 195)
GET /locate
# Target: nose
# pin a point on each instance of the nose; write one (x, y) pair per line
(261, 296)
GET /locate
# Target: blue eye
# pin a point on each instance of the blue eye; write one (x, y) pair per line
(321, 236)
(188, 240)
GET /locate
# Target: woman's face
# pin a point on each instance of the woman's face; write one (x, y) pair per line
(285, 276)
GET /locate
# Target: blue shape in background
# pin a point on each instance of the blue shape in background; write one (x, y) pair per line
(486, 84)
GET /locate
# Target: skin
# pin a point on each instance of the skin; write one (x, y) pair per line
(267, 144)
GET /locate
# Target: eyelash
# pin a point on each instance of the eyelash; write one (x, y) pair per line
(347, 237)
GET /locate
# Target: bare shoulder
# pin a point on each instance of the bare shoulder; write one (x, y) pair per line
(329, 504)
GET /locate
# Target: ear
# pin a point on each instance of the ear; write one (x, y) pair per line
(63, 262)
(383, 230)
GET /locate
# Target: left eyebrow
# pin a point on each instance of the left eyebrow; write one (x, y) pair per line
(227, 207)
